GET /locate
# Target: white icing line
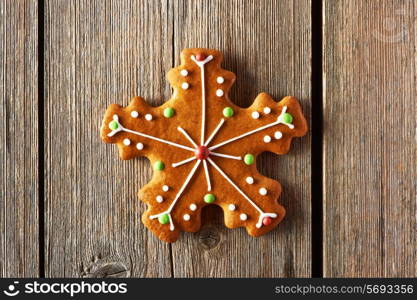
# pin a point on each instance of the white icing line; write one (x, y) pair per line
(225, 155)
(203, 93)
(174, 165)
(121, 128)
(214, 132)
(180, 129)
(177, 197)
(206, 171)
(278, 121)
(262, 214)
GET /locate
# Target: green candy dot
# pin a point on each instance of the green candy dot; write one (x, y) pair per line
(209, 198)
(287, 118)
(228, 112)
(113, 125)
(159, 165)
(249, 159)
(169, 112)
(163, 219)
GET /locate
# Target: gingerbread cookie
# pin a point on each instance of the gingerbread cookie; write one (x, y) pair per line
(203, 149)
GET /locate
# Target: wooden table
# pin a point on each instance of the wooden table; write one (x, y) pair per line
(68, 205)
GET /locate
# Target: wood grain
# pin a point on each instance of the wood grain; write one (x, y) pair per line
(267, 45)
(370, 174)
(97, 53)
(19, 238)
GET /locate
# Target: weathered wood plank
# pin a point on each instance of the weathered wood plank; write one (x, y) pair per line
(370, 158)
(267, 44)
(97, 53)
(19, 238)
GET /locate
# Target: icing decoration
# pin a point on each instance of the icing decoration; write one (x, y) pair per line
(126, 142)
(193, 207)
(169, 112)
(228, 112)
(183, 162)
(209, 198)
(168, 211)
(164, 219)
(148, 117)
(255, 115)
(139, 146)
(159, 166)
(121, 128)
(263, 191)
(206, 172)
(200, 57)
(113, 125)
(287, 118)
(250, 180)
(262, 214)
(278, 121)
(203, 153)
(278, 135)
(249, 159)
(214, 132)
(267, 139)
(266, 221)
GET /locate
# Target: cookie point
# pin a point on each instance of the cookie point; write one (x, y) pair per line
(200, 56)
(202, 152)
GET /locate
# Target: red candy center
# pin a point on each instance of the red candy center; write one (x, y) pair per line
(200, 57)
(266, 221)
(202, 152)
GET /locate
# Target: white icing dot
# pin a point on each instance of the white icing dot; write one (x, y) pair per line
(134, 114)
(232, 207)
(219, 93)
(220, 79)
(267, 110)
(165, 188)
(184, 72)
(185, 85)
(250, 180)
(278, 135)
(186, 217)
(159, 199)
(263, 191)
(126, 142)
(139, 146)
(193, 207)
(255, 115)
(267, 139)
(243, 217)
(148, 117)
